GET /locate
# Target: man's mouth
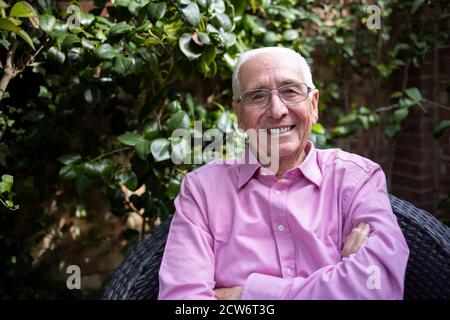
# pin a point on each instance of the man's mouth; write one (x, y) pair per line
(281, 130)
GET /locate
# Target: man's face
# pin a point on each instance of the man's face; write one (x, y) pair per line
(272, 71)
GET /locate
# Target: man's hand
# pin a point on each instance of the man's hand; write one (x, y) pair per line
(233, 293)
(356, 239)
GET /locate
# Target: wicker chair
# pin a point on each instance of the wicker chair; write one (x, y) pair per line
(427, 273)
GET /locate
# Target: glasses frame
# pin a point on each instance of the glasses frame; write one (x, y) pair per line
(308, 90)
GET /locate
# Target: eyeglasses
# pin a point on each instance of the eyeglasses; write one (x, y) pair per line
(290, 94)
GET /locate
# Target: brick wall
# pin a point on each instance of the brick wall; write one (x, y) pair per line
(421, 162)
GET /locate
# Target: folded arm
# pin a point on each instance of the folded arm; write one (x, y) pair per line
(376, 271)
(187, 268)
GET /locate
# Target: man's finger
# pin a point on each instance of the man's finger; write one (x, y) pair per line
(352, 240)
(361, 238)
(349, 244)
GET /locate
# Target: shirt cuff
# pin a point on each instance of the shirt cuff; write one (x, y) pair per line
(263, 287)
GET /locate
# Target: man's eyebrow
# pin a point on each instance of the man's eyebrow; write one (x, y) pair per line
(282, 83)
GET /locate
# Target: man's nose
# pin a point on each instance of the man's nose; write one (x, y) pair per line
(277, 109)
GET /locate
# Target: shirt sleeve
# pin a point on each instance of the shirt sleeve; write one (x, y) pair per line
(375, 271)
(187, 267)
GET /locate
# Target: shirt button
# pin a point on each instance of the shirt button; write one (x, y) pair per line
(280, 228)
(289, 271)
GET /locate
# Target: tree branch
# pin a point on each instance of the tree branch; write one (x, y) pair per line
(110, 153)
(8, 71)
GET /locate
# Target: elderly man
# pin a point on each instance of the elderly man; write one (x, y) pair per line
(319, 227)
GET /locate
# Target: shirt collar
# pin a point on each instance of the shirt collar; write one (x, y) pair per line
(309, 167)
(248, 169)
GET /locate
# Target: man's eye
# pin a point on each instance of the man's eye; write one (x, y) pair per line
(290, 91)
(258, 96)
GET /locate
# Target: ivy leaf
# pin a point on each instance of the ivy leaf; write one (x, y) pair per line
(391, 129)
(416, 5)
(86, 19)
(340, 130)
(105, 168)
(173, 189)
(190, 13)
(119, 29)
(151, 129)
(47, 22)
(25, 36)
(122, 3)
(174, 106)
(56, 55)
(142, 149)
(128, 179)
(347, 118)
(130, 138)
(439, 130)
(3, 4)
(414, 94)
(364, 121)
(69, 158)
(23, 9)
(156, 10)
(9, 25)
(160, 149)
(106, 51)
(270, 37)
(178, 120)
(224, 123)
(150, 58)
(290, 35)
(86, 44)
(217, 6)
(97, 168)
(120, 66)
(228, 38)
(68, 41)
(68, 172)
(318, 128)
(224, 21)
(82, 183)
(204, 38)
(400, 114)
(188, 47)
(6, 183)
(209, 54)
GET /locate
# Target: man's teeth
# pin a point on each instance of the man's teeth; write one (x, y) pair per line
(280, 130)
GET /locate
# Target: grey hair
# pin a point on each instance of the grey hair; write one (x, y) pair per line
(245, 56)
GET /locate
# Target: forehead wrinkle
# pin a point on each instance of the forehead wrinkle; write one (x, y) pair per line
(266, 80)
(269, 69)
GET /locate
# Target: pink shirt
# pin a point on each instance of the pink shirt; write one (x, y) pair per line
(282, 239)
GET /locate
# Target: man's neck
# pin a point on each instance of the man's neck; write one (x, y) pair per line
(291, 161)
(286, 164)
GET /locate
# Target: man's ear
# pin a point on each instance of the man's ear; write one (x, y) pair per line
(315, 105)
(237, 110)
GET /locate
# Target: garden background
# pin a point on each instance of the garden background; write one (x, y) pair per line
(91, 91)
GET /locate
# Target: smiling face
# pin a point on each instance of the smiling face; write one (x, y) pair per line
(270, 71)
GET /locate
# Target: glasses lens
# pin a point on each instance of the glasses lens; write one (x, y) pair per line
(256, 97)
(293, 93)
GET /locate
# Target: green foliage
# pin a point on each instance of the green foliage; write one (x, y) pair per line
(99, 97)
